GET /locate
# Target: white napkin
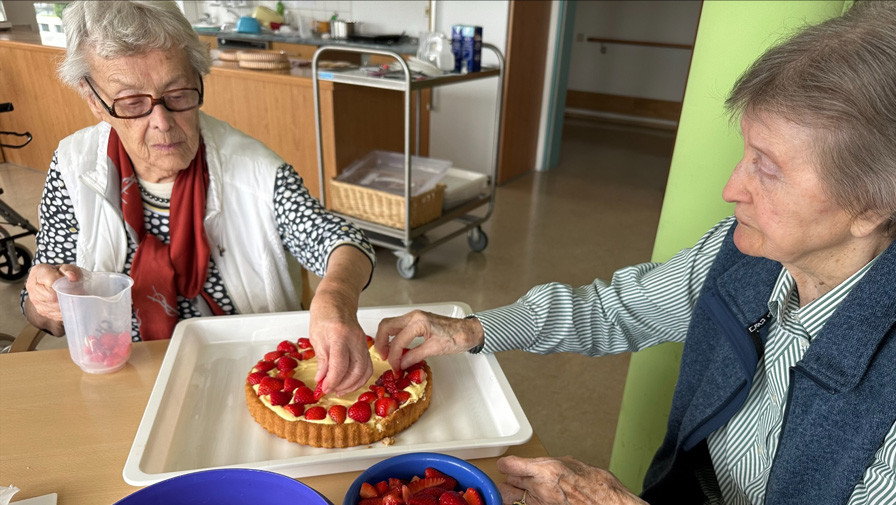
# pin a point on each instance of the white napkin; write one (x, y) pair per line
(7, 492)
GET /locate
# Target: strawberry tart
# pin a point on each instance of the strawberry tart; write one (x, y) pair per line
(283, 398)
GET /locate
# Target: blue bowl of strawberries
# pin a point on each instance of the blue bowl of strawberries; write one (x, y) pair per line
(423, 478)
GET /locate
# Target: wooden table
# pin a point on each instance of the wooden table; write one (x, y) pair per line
(68, 432)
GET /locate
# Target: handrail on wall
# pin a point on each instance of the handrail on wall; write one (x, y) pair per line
(667, 45)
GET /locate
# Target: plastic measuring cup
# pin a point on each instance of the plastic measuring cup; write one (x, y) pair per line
(96, 313)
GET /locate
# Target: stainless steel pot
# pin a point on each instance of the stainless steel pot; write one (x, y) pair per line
(340, 29)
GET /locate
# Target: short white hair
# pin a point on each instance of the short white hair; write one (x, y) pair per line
(125, 28)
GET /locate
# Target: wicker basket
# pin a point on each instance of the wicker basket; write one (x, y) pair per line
(384, 208)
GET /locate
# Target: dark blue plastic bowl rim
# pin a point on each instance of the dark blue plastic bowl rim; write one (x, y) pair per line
(490, 493)
(261, 480)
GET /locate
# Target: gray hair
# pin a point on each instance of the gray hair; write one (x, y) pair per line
(839, 79)
(125, 28)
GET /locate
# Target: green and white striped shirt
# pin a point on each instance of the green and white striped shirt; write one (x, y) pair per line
(651, 303)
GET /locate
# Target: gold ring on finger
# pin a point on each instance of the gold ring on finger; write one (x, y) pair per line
(522, 501)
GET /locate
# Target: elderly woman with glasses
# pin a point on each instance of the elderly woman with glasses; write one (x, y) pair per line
(206, 220)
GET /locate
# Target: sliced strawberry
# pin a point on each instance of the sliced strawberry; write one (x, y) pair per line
(450, 482)
(379, 391)
(256, 377)
(273, 355)
(268, 385)
(337, 413)
(304, 395)
(472, 497)
(285, 374)
(304, 343)
(319, 391)
(286, 363)
(367, 396)
(371, 501)
(369, 341)
(360, 411)
(264, 366)
(316, 413)
(286, 346)
(403, 383)
(296, 409)
(280, 398)
(423, 500)
(382, 487)
(290, 384)
(108, 340)
(452, 498)
(396, 483)
(385, 406)
(402, 397)
(431, 491)
(308, 354)
(392, 499)
(420, 484)
(368, 491)
(417, 376)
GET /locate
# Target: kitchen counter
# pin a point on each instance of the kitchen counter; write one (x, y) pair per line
(407, 45)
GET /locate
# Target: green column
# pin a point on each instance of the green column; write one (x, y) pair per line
(731, 35)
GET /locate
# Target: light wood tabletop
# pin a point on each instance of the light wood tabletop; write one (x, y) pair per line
(68, 432)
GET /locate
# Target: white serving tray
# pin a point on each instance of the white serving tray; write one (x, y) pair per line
(196, 417)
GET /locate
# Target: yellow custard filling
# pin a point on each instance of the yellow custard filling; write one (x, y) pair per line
(305, 372)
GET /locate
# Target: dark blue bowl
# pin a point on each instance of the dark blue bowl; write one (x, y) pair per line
(406, 466)
(229, 486)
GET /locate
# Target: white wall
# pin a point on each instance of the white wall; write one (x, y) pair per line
(644, 72)
(462, 127)
(381, 17)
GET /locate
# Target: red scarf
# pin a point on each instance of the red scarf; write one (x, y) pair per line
(163, 271)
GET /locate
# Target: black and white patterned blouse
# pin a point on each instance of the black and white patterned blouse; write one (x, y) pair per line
(306, 229)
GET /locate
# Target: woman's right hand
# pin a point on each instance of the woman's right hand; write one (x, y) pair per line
(441, 335)
(42, 305)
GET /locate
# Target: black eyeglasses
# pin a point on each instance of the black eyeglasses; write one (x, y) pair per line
(136, 106)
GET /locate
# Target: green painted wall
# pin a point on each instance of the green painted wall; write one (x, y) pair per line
(731, 34)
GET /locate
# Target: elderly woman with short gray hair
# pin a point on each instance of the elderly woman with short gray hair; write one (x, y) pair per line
(206, 220)
(787, 387)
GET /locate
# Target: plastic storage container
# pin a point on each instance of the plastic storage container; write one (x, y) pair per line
(384, 171)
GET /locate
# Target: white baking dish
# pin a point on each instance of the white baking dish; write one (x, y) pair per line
(197, 419)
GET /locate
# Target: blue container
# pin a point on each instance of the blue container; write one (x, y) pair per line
(248, 24)
(471, 49)
(229, 486)
(456, 46)
(406, 466)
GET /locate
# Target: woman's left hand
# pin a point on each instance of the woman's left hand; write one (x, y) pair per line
(343, 361)
(556, 481)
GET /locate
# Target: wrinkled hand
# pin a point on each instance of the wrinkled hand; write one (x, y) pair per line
(42, 305)
(556, 481)
(343, 362)
(441, 334)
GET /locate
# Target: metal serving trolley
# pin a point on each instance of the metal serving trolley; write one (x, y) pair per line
(409, 243)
